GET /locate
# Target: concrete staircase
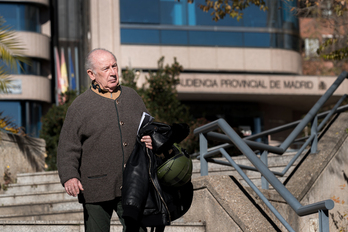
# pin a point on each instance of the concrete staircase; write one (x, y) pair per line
(39, 201)
(38, 196)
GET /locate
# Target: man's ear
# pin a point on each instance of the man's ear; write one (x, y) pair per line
(91, 74)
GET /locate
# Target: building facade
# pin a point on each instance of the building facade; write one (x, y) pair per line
(31, 92)
(248, 72)
(54, 35)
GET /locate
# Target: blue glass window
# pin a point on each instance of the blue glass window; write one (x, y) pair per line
(140, 11)
(34, 68)
(291, 42)
(140, 36)
(33, 118)
(209, 38)
(31, 68)
(277, 40)
(25, 114)
(9, 13)
(257, 40)
(173, 12)
(31, 16)
(254, 17)
(21, 17)
(12, 110)
(220, 38)
(290, 21)
(193, 27)
(174, 37)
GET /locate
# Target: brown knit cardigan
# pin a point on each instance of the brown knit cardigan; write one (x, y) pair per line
(96, 141)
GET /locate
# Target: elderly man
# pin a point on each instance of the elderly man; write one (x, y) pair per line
(96, 140)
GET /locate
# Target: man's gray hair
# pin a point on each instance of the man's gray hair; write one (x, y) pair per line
(89, 64)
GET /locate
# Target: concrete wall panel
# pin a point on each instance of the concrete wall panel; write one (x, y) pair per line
(35, 44)
(257, 60)
(21, 154)
(133, 57)
(181, 53)
(201, 58)
(233, 60)
(32, 88)
(332, 184)
(214, 58)
(105, 26)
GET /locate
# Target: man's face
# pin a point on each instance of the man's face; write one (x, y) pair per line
(106, 70)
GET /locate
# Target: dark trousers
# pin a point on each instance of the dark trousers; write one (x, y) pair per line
(97, 217)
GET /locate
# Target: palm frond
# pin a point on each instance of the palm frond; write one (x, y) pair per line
(11, 50)
(5, 81)
(8, 126)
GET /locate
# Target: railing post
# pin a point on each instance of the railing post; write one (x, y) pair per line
(203, 149)
(314, 131)
(264, 159)
(324, 221)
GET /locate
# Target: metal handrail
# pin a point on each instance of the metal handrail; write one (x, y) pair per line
(224, 138)
(276, 150)
(271, 178)
(245, 146)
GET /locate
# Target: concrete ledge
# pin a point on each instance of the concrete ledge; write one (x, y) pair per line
(37, 45)
(78, 226)
(314, 164)
(36, 88)
(20, 154)
(224, 204)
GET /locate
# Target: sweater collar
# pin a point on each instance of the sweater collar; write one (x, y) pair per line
(104, 93)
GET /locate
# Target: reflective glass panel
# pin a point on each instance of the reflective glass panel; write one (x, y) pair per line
(216, 38)
(228, 31)
(21, 17)
(140, 36)
(28, 18)
(31, 68)
(254, 17)
(140, 11)
(291, 42)
(33, 125)
(174, 37)
(254, 39)
(173, 12)
(274, 14)
(12, 109)
(290, 21)
(9, 13)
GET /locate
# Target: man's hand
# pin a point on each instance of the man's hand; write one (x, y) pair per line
(147, 140)
(73, 187)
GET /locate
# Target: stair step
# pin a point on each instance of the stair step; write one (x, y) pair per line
(77, 226)
(62, 215)
(45, 207)
(54, 210)
(38, 177)
(34, 187)
(23, 198)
